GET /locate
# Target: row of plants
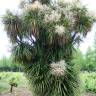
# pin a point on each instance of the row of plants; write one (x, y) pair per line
(10, 80)
(7, 64)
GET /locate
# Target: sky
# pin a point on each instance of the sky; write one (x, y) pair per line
(5, 46)
(13, 6)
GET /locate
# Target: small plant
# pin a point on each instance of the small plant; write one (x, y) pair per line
(13, 84)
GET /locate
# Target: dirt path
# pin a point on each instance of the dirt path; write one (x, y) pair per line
(25, 92)
(18, 92)
(89, 94)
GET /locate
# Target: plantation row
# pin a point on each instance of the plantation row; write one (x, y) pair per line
(7, 64)
(14, 79)
(88, 81)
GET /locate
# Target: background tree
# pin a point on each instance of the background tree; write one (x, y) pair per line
(7, 64)
(94, 46)
(43, 38)
(79, 60)
(84, 62)
(90, 60)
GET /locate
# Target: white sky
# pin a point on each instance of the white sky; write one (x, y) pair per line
(13, 5)
(4, 41)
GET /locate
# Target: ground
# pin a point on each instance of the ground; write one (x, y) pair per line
(88, 82)
(26, 92)
(18, 92)
(89, 94)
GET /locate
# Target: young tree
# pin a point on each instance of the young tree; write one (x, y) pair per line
(43, 38)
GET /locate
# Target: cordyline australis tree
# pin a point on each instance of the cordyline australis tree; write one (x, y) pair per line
(43, 38)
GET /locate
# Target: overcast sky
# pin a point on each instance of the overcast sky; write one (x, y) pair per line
(13, 5)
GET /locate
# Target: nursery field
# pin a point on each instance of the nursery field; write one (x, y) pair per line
(18, 78)
(88, 84)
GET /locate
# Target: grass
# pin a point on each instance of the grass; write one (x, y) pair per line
(88, 81)
(5, 78)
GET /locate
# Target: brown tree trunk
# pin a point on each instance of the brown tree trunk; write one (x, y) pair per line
(11, 89)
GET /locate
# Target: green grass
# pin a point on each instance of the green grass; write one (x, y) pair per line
(88, 81)
(5, 78)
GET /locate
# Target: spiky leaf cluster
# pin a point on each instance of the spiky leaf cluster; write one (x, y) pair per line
(47, 33)
(52, 30)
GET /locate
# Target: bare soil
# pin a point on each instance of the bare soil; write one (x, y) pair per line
(26, 92)
(18, 92)
(89, 94)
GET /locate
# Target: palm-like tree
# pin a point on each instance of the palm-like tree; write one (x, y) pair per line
(43, 38)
